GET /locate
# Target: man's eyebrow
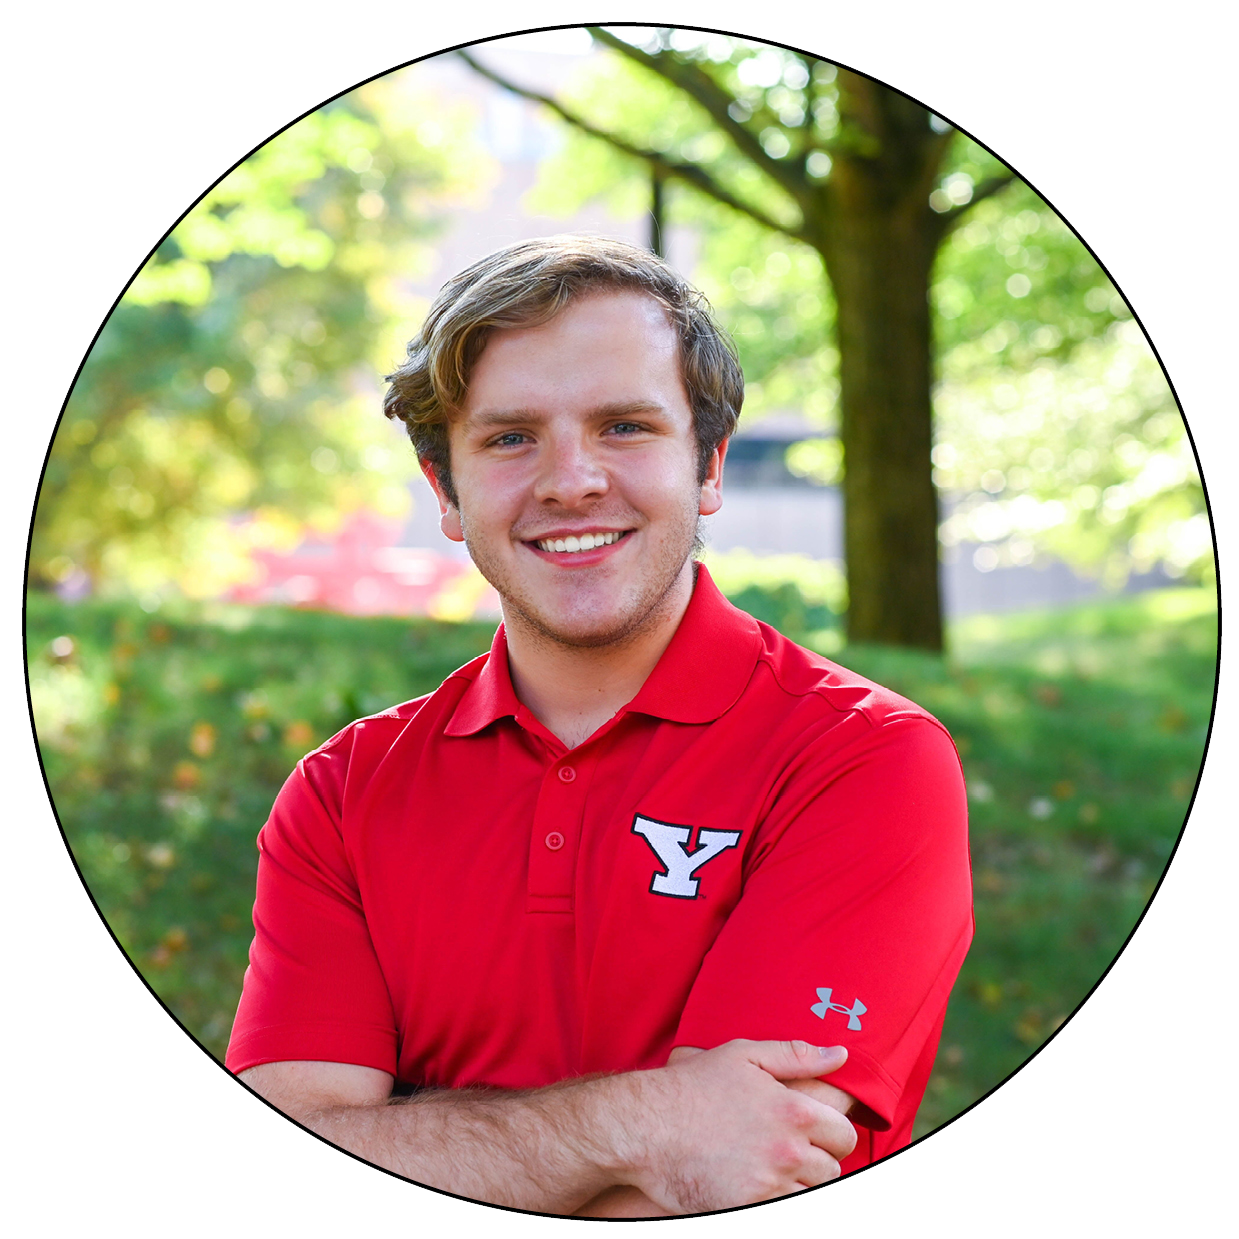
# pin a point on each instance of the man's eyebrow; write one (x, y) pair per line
(622, 408)
(487, 418)
(500, 417)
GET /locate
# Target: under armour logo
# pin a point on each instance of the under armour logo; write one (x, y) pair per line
(669, 844)
(854, 1012)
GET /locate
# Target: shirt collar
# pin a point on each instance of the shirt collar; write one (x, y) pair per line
(700, 676)
(490, 696)
(708, 663)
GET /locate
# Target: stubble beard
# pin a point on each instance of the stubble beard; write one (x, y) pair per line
(634, 614)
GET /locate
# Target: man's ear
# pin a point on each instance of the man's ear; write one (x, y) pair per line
(712, 487)
(449, 516)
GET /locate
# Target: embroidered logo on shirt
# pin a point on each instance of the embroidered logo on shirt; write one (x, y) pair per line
(854, 1012)
(670, 846)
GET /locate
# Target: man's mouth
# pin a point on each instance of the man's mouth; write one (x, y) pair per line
(580, 542)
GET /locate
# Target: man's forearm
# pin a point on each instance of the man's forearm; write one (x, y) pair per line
(711, 1130)
(551, 1150)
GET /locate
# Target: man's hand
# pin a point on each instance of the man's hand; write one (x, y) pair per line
(631, 1202)
(725, 1130)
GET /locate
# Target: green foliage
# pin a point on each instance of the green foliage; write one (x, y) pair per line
(238, 375)
(1014, 285)
(1085, 458)
(165, 739)
(1056, 430)
(771, 293)
(793, 593)
(255, 209)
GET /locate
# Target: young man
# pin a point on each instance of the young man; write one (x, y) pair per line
(597, 902)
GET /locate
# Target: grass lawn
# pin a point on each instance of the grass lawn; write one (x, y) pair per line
(165, 738)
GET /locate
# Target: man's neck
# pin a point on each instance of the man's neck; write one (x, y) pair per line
(573, 690)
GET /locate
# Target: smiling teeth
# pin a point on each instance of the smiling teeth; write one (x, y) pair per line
(586, 542)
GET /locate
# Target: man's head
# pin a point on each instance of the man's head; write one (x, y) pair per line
(571, 405)
(527, 284)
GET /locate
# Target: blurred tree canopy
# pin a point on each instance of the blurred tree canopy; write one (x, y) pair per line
(1057, 432)
(230, 396)
(238, 373)
(959, 314)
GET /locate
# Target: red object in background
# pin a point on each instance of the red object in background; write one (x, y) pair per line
(360, 570)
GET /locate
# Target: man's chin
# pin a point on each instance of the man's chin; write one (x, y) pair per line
(579, 632)
(590, 624)
(585, 614)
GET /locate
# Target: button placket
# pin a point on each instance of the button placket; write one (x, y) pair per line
(554, 834)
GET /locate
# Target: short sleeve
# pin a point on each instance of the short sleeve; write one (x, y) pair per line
(855, 916)
(314, 989)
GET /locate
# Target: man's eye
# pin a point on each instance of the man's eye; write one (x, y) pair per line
(511, 439)
(628, 428)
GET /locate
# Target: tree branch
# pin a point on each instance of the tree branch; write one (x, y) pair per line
(939, 144)
(690, 173)
(987, 189)
(931, 164)
(700, 86)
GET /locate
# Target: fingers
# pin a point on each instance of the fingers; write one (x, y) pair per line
(818, 1168)
(824, 1138)
(819, 1090)
(824, 1127)
(832, 1132)
(794, 1060)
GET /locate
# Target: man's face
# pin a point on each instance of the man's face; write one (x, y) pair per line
(580, 430)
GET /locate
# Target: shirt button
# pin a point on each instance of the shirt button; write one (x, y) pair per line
(554, 841)
(566, 774)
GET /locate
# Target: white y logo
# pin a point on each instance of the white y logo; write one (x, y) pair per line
(669, 843)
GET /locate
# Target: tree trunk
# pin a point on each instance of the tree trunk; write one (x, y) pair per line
(880, 275)
(878, 241)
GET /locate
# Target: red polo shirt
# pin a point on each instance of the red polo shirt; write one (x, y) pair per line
(760, 844)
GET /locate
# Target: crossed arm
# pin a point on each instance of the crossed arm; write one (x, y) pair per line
(747, 1121)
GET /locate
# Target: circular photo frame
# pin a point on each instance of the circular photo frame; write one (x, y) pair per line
(155, 1129)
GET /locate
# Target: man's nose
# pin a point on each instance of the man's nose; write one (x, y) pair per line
(570, 473)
